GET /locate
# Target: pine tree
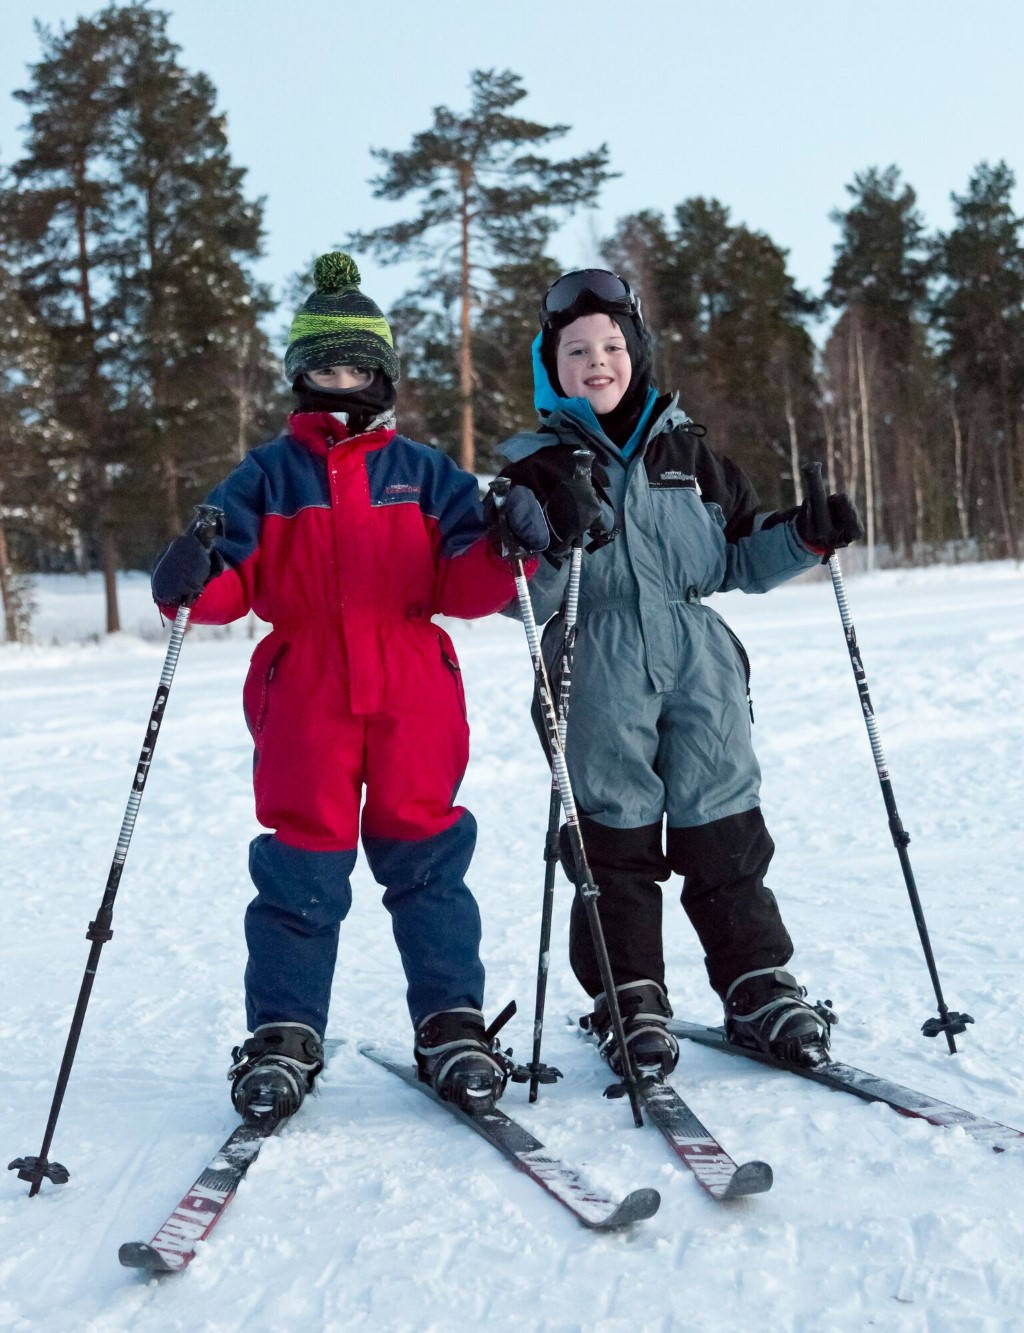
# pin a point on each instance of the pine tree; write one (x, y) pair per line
(979, 307)
(729, 327)
(33, 450)
(196, 348)
(131, 236)
(487, 199)
(66, 218)
(879, 367)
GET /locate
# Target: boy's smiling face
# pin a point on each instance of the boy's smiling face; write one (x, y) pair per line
(593, 363)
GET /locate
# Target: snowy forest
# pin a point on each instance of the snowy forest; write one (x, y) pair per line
(139, 354)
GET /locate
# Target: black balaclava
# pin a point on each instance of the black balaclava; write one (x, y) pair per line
(620, 423)
(360, 405)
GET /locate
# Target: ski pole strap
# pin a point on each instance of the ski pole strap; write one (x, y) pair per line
(500, 1021)
(207, 524)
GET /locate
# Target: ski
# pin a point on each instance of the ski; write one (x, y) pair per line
(201, 1207)
(592, 1208)
(715, 1171)
(718, 1175)
(869, 1087)
(199, 1210)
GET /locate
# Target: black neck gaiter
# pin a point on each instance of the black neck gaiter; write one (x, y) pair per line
(361, 406)
(620, 423)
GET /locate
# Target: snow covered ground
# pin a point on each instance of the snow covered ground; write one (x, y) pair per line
(375, 1210)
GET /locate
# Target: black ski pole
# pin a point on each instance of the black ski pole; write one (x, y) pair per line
(541, 1073)
(587, 889)
(206, 525)
(948, 1023)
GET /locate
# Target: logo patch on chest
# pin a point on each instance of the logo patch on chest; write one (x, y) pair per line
(400, 493)
(672, 479)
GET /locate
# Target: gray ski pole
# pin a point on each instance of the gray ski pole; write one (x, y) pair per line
(588, 890)
(206, 525)
(948, 1023)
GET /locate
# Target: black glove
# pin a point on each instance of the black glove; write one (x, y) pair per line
(843, 526)
(573, 507)
(184, 570)
(523, 519)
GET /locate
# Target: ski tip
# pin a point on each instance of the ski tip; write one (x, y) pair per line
(635, 1207)
(140, 1254)
(750, 1178)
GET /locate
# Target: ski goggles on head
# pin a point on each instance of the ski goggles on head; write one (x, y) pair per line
(599, 284)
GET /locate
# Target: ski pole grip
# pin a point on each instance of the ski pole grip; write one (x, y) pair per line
(584, 460)
(207, 523)
(814, 485)
(600, 533)
(499, 489)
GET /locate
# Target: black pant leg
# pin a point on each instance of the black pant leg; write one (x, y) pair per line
(628, 866)
(724, 894)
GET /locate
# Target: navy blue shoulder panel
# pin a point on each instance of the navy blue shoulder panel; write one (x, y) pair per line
(280, 478)
(404, 472)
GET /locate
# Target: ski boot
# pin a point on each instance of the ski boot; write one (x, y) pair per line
(645, 1012)
(766, 1011)
(454, 1056)
(274, 1069)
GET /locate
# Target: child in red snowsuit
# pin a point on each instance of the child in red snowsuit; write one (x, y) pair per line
(348, 538)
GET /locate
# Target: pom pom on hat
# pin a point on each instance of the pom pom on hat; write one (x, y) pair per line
(339, 325)
(335, 271)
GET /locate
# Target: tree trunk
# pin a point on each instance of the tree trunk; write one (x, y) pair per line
(108, 563)
(169, 486)
(1006, 524)
(853, 425)
(467, 447)
(1009, 417)
(794, 445)
(919, 499)
(958, 472)
(17, 607)
(869, 470)
(94, 414)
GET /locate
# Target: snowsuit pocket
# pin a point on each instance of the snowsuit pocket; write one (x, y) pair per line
(455, 671)
(258, 703)
(745, 660)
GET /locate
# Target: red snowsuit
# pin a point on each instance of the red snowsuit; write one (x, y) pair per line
(348, 548)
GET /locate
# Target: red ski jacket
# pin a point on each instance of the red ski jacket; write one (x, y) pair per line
(356, 536)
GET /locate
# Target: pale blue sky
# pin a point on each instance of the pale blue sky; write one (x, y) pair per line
(771, 106)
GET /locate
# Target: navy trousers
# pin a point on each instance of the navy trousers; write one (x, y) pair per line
(292, 925)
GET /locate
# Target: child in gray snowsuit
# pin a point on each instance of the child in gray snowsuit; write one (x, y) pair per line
(659, 725)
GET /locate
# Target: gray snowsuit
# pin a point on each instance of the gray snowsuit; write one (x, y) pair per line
(659, 722)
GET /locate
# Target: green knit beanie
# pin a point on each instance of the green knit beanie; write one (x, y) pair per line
(338, 325)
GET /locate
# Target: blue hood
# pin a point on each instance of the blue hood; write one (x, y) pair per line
(547, 401)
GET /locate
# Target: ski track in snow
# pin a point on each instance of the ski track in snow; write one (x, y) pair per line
(374, 1209)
